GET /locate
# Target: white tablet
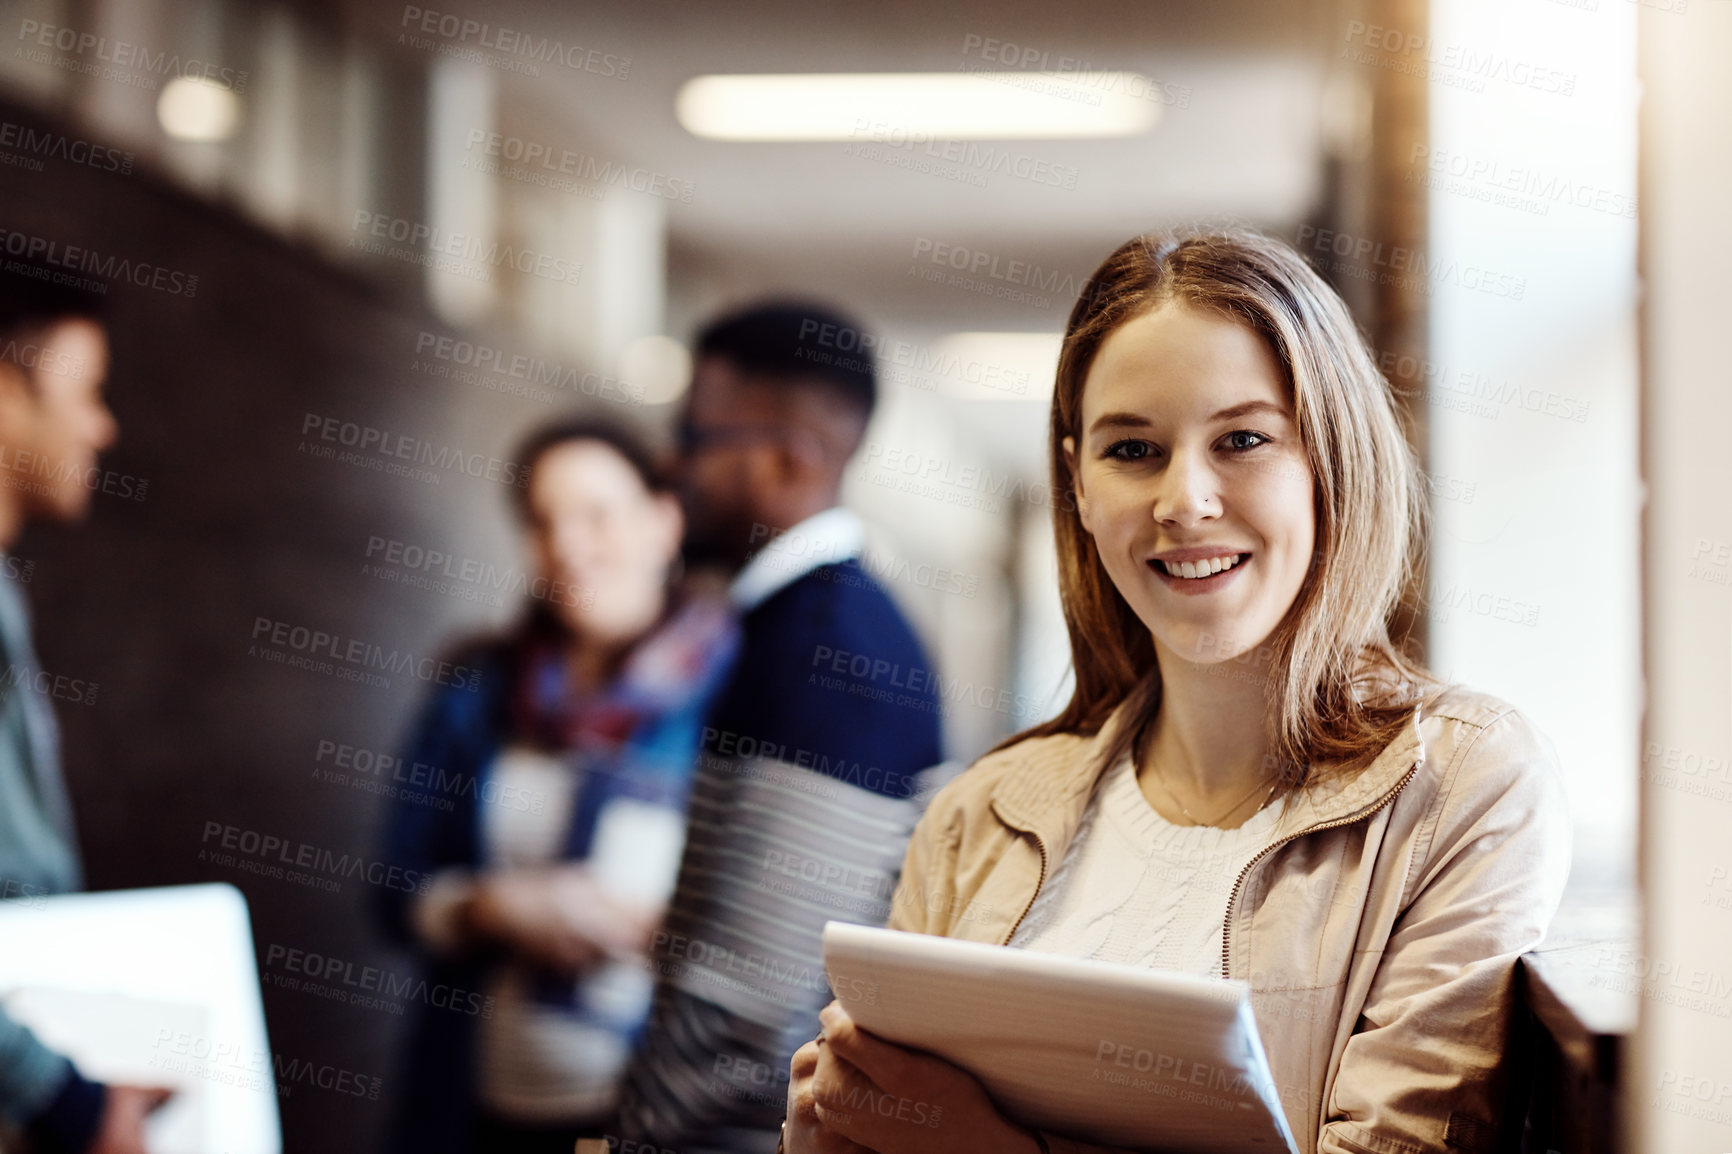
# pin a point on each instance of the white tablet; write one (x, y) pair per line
(1099, 1052)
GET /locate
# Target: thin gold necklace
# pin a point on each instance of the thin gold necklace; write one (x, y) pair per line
(1193, 819)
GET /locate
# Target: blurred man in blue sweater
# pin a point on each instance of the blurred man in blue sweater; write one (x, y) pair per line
(805, 792)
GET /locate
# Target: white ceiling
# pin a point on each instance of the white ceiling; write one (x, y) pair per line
(812, 216)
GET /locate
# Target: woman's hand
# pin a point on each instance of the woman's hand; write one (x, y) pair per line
(558, 916)
(805, 1133)
(851, 1091)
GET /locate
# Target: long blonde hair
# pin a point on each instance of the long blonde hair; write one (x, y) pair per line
(1341, 691)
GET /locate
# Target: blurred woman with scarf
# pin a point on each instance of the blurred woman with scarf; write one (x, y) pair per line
(549, 820)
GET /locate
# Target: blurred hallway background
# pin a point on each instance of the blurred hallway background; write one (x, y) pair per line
(380, 241)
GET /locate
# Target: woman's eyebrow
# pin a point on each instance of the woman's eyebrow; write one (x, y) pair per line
(1127, 420)
(1234, 412)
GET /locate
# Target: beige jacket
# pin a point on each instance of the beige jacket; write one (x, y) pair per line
(1379, 933)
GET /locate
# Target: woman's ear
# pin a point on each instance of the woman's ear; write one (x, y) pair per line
(1070, 464)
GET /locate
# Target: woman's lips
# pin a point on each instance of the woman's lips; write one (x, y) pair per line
(1195, 586)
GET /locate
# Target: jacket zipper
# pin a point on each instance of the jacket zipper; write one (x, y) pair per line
(1233, 896)
(1041, 881)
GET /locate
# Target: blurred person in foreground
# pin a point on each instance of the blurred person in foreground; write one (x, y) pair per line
(53, 423)
(569, 761)
(806, 789)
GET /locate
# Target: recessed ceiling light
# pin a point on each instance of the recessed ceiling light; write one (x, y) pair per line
(911, 107)
(192, 108)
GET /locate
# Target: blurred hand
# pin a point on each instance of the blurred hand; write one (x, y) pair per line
(560, 917)
(123, 1113)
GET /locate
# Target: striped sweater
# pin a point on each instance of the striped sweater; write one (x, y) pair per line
(805, 795)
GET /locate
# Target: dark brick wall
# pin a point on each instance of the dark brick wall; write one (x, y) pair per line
(155, 600)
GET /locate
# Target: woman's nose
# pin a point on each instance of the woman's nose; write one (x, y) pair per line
(1186, 492)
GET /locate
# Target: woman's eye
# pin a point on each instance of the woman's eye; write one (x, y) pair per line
(1127, 450)
(1244, 439)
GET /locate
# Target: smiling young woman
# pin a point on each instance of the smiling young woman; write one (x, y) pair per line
(1250, 780)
